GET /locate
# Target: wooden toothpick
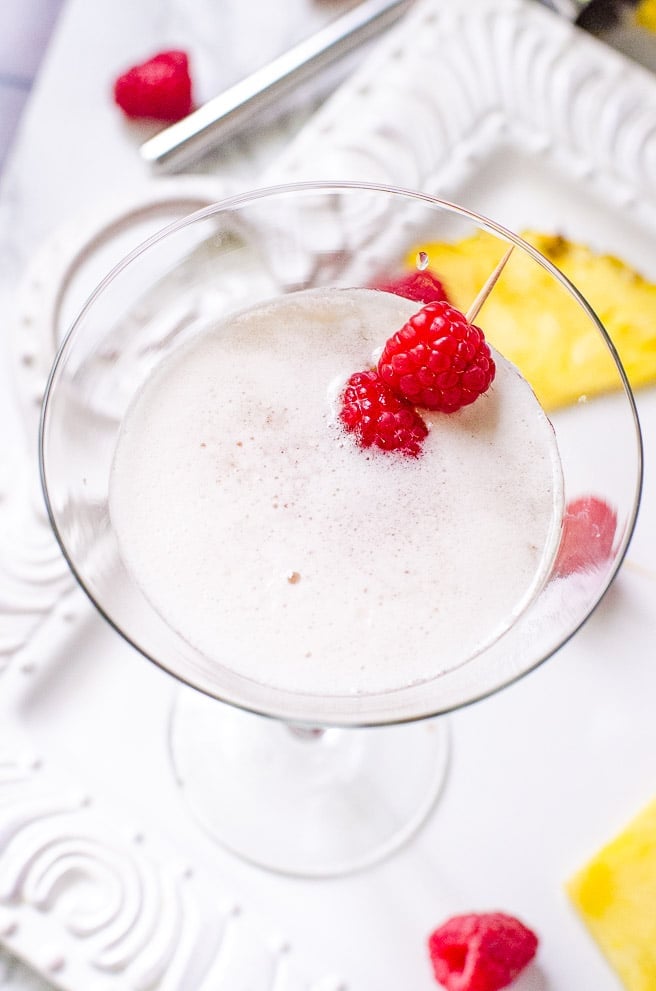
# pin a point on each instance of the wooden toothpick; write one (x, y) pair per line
(472, 312)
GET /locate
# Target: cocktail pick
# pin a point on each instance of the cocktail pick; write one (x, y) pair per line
(489, 285)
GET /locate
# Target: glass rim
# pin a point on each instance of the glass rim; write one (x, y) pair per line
(243, 198)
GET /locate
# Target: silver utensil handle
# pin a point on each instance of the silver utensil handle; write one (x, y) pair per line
(226, 113)
(571, 9)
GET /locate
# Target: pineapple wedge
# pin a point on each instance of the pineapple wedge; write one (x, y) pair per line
(537, 324)
(615, 895)
(646, 14)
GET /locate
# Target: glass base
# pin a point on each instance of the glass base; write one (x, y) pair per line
(303, 801)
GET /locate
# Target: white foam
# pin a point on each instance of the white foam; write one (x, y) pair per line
(279, 548)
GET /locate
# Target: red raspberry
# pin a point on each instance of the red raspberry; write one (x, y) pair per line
(589, 526)
(376, 416)
(480, 952)
(421, 286)
(159, 88)
(437, 360)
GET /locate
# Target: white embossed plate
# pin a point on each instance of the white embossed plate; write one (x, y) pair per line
(105, 883)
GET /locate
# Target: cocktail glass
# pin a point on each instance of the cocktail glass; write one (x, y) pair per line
(301, 782)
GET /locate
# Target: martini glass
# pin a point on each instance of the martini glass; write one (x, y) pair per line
(312, 783)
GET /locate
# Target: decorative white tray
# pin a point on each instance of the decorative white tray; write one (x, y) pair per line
(105, 883)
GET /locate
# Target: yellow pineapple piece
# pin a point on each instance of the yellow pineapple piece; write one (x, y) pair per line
(537, 324)
(646, 14)
(615, 895)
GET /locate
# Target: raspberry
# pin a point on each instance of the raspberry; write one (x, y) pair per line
(371, 411)
(589, 526)
(437, 360)
(480, 952)
(159, 88)
(421, 286)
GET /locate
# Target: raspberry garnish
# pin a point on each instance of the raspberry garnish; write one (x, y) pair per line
(437, 360)
(480, 952)
(159, 88)
(421, 286)
(589, 526)
(370, 410)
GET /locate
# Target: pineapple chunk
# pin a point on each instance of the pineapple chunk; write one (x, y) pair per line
(538, 325)
(646, 14)
(615, 895)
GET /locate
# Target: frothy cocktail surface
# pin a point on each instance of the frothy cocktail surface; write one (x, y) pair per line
(280, 549)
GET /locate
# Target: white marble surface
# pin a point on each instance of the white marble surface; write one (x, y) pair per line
(541, 773)
(25, 28)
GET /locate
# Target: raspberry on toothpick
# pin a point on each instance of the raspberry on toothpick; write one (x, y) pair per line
(439, 360)
(379, 418)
